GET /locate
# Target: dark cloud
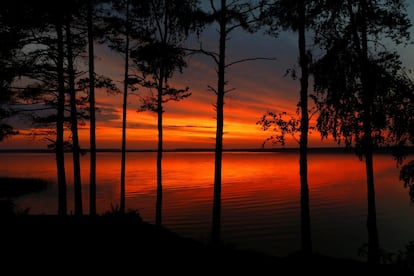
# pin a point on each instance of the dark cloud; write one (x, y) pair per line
(107, 113)
(189, 126)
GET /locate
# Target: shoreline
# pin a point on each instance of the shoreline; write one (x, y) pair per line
(117, 240)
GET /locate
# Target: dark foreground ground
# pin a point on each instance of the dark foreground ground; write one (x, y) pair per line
(125, 245)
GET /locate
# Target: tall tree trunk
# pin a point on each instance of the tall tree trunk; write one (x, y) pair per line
(216, 225)
(373, 239)
(161, 82)
(92, 176)
(306, 240)
(60, 118)
(367, 78)
(124, 112)
(158, 205)
(367, 143)
(74, 122)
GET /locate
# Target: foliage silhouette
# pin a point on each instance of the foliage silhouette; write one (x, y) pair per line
(407, 176)
(359, 85)
(405, 258)
(12, 34)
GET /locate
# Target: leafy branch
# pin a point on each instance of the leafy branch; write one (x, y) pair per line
(282, 125)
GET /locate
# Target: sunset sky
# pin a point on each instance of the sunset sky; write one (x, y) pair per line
(259, 86)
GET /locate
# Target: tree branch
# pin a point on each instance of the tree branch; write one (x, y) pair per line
(211, 88)
(247, 59)
(211, 54)
(213, 7)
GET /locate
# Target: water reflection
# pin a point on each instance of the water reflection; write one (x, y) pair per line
(260, 196)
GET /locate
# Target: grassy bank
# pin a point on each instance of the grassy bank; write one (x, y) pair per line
(124, 243)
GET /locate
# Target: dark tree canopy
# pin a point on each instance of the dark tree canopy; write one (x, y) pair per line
(14, 25)
(339, 74)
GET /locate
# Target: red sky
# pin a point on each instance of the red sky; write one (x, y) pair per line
(260, 86)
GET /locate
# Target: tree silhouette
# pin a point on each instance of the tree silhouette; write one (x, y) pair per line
(123, 32)
(124, 107)
(88, 13)
(297, 16)
(85, 13)
(43, 70)
(229, 16)
(92, 109)
(93, 12)
(60, 115)
(158, 57)
(74, 116)
(358, 81)
(127, 27)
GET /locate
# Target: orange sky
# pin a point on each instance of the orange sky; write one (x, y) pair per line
(260, 86)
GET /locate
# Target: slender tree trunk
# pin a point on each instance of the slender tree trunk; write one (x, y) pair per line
(158, 206)
(60, 118)
(124, 112)
(306, 240)
(373, 239)
(92, 176)
(216, 225)
(367, 78)
(161, 82)
(74, 122)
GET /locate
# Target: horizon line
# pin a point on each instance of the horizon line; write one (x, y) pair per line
(280, 149)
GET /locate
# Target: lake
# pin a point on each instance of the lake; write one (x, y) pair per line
(260, 196)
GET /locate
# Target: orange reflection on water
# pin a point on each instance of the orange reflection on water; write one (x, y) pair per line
(266, 177)
(260, 194)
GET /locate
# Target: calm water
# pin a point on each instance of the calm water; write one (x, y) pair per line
(260, 196)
